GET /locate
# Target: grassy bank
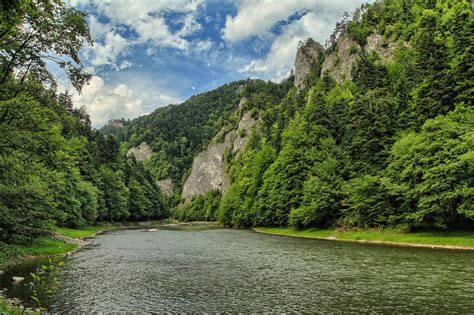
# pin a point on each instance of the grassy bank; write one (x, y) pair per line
(41, 246)
(45, 245)
(87, 231)
(461, 240)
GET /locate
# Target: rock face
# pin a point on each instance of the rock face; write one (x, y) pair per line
(338, 63)
(141, 153)
(166, 186)
(208, 171)
(243, 132)
(308, 58)
(376, 42)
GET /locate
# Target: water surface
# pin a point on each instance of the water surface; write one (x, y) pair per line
(216, 270)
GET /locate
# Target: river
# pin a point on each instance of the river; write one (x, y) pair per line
(226, 270)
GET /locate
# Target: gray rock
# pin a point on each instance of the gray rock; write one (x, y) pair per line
(166, 186)
(207, 172)
(17, 279)
(308, 59)
(243, 132)
(377, 43)
(141, 153)
(338, 63)
(2, 272)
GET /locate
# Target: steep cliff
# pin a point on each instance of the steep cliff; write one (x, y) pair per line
(208, 170)
(308, 60)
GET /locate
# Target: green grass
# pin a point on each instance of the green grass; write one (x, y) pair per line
(46, 245)
(41, 246)
(11, 310)
(435, 238)
(87, 231)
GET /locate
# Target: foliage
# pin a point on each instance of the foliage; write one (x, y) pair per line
(391, 147)
(45, 281)
(54, 168)
(201, 208)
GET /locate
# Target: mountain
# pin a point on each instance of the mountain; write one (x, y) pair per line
(375, 129)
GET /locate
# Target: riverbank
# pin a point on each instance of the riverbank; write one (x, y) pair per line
(443, 240)
(60, 242)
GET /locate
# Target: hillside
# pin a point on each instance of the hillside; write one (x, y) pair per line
(377, 131)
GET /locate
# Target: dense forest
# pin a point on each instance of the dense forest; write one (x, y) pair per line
(55, 169)
(392, 146)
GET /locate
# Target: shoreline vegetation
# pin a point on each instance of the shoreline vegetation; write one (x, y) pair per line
(61, 241)
(456, 240)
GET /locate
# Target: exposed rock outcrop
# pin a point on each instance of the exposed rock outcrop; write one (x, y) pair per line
(380, 45)
(308, 59)
(208, 171)
(338, 63)
(141, 153)
(166, 186)
(243, 132)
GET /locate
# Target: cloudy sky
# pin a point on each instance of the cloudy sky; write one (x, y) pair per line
(151, 53)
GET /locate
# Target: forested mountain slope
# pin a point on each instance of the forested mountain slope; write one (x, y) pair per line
(380, 133)
(55, 169)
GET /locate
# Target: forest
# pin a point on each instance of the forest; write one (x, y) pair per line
(55, 169)
(393, 146)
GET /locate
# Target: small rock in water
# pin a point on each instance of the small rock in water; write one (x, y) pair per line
(152, 230)
(2, 272)
(17, 279)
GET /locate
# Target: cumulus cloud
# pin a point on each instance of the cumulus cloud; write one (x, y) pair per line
(104, 102)
(145, 19)
(256, 18)
(107, 52)
(317, 23)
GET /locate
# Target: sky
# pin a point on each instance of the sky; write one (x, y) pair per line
(149, 53)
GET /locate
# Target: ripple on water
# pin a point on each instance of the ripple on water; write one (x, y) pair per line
(241, 271)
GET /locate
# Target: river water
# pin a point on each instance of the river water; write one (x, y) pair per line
(225, 270)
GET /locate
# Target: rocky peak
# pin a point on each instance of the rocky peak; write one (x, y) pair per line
(308, 58)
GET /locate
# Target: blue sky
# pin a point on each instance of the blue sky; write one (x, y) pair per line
(150, 53)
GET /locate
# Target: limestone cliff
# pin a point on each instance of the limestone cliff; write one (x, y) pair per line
(208, 171)
(166, 186)
(339, 62)
(141, 153)
(308, 58)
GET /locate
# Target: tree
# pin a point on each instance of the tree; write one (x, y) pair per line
(435, 168)
(32, 32)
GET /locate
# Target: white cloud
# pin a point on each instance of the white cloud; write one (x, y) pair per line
(317, 23)
(203, 45)
(145, 18)
(107, 52)
(256, 17)
(104, 102)
(155, 30)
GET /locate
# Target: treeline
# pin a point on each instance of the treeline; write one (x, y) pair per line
(55, 169)
(393, 146)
